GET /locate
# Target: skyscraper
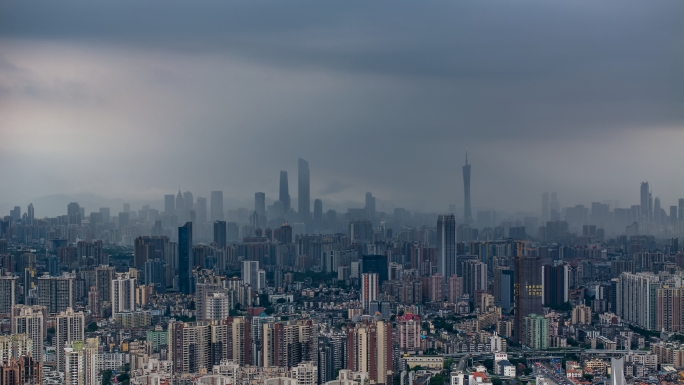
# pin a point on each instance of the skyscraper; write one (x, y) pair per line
(528, 289)
(545, 207)
(555, 284)
(185, 258)
(260, 207)
(446, 245)
(303, 191)
(467, 214)
(217, 205)
(8, 293)
(284, 195)
(370, 206)
(74, 213)
(318, 214)
(644, 211)
(31, 213)
(220, 233)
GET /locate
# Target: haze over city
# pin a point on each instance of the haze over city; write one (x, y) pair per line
(132, 101)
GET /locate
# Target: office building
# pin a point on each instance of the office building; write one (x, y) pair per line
(467, 211)
(528, 289)
(318, 214)
(260, 208)
(220, 234)
(545, 207)
(284, 193)
(375, 264)
(555, 284)
(644, 207)
(31, 213)
(303, 191)
(369, 289)
(30, 320)
(370, 206)
(185, 260)
(446, 245)
(474, 277)
(503, 287)
(69, 327)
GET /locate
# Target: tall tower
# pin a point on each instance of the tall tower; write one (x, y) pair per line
(185, 258)
(303, 191)
(446, 245)
(284, 195)
(31, 213)
(545, 207)
(260, 207)
(644, 206)
(528, 289)
(467, 213)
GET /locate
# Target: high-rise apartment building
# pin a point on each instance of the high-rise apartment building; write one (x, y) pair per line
(409, 333)
(670, 309)
(8, 293)
(104, 275)
(369, 349)
(369, 289)
(123, 293)
(455, 284)
(14, 346)
(81, 366)
(56, 293)
(636, 299)
(467, 210)
(30, 320)
(535, 331)
(446, 245)
(528, 289)
(303, 191)
(185, 262)
(22, 371)
(69, 327)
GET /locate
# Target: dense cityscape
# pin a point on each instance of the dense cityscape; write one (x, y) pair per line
(193, 292)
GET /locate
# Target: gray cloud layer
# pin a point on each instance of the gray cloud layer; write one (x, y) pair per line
(131, 99)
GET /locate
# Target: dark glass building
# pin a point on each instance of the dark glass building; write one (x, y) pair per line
(185, 285)
(220, 233)
(375, 264)
(528, 289)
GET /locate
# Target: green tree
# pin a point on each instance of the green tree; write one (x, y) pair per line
(588, 377)
(437, 380)
(106, 377)
(92, 327)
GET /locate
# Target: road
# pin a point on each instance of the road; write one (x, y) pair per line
(550, 375)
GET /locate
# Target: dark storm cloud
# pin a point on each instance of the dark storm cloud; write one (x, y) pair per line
(381, 96)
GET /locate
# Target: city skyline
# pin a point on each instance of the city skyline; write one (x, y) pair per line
(538, 109)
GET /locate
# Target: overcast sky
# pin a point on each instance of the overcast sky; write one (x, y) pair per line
(132, 99)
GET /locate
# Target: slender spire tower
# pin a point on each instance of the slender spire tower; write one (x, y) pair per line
(467, 213)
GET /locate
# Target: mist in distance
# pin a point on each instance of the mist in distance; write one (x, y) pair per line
(104, 103)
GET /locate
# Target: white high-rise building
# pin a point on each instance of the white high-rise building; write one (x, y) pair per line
(15, 345)
(81, 362)
(123, 293)
(306, 373)
(69, 327)
(369, 289)
(217, 305)
(252, 276)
